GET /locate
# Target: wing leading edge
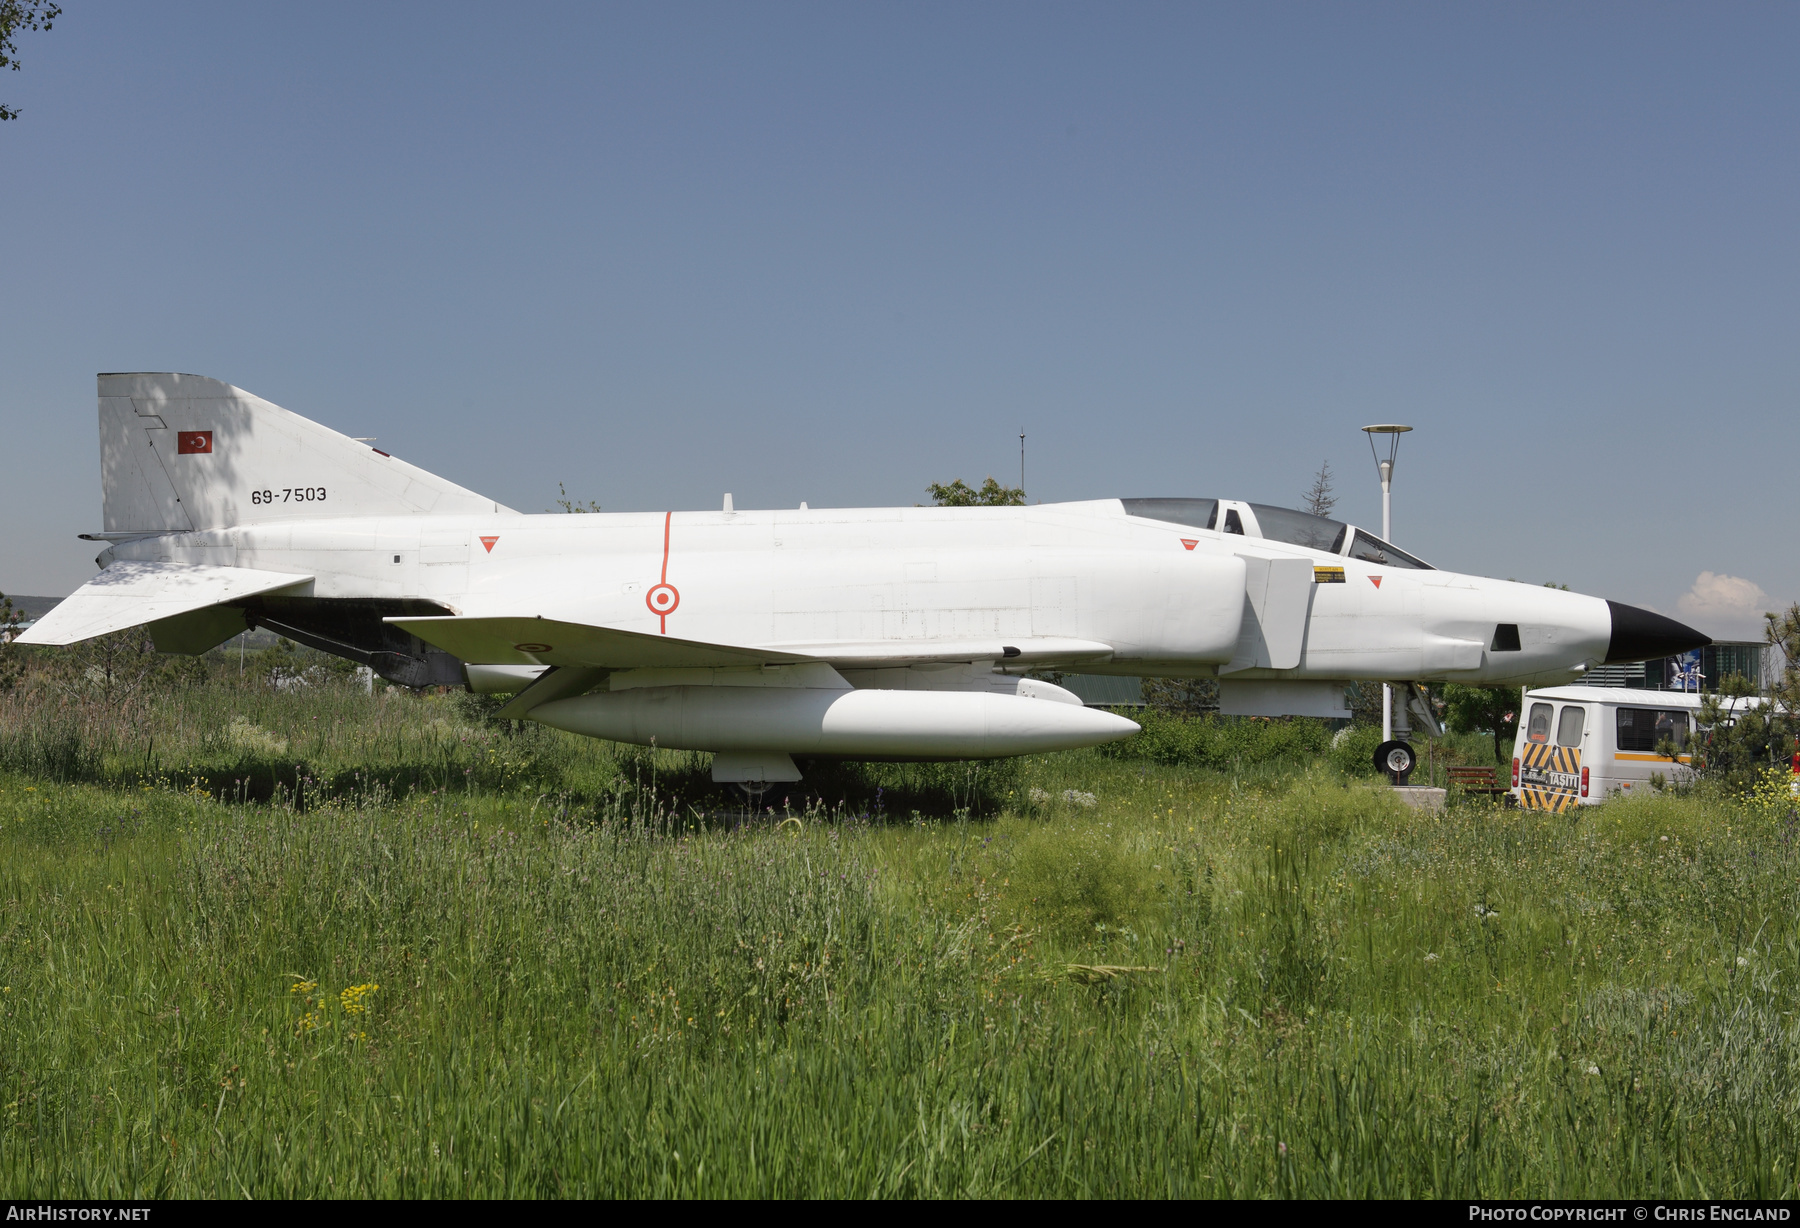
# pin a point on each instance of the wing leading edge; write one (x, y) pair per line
(548, 641)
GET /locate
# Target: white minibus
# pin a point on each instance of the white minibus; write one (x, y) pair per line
(1579, 745)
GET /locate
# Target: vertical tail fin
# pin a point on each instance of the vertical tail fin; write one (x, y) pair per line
(187, 452)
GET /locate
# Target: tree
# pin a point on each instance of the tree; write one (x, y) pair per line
(1740, 738)
(573, 505)
(10, 619)
(1484, 709)
(16, 15)
(1319, 500)
(1783, 634)
(1743, 739)
(1364, 700)
(1184, 696)
(111, 668)
(991, 494)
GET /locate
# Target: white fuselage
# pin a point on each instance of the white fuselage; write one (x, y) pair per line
(1168, 598)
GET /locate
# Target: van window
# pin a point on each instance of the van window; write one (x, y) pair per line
(1642, 728)
(1538, 730)
(1284, 524)
(1372, 549)
(1568, 725)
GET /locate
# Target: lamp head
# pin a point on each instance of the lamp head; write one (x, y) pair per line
(1393, 431)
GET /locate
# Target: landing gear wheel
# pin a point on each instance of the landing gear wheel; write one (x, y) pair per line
(1395, 760)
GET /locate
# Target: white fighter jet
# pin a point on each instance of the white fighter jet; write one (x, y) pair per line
(885, 633)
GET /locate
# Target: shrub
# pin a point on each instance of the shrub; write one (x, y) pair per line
(1220, 741)
(1353, 750)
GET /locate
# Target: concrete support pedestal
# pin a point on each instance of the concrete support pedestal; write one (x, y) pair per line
(1420, 797)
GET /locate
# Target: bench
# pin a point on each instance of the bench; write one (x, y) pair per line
(1477, 780)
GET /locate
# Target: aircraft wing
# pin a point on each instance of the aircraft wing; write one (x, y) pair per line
(548, 641)
(128, 594)
(1023, 650)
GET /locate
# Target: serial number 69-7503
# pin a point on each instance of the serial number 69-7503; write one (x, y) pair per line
(289, 494)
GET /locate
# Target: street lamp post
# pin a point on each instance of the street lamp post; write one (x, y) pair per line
(1385, 468)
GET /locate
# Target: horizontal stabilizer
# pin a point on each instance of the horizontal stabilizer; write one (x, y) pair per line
(128, 594)
(546, 641)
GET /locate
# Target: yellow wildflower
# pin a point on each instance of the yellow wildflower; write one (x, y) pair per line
(352, 999)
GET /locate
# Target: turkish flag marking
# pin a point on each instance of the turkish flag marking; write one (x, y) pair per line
(188, 443)
(1375, 580)
(489, 543)
(1190, 542)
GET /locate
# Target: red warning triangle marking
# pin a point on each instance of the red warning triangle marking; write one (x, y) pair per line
(1375, 580)
(489, 543)
(1190, 542)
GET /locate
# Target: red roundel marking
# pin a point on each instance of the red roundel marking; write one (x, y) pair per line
(662, 597)
(533, 648)
(1190, 542)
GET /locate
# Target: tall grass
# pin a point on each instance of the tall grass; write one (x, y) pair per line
(1199, 982)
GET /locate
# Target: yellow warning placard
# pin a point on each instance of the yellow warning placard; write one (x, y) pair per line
(1549, 777)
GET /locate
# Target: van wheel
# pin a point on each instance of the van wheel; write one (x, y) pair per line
(1395, 760)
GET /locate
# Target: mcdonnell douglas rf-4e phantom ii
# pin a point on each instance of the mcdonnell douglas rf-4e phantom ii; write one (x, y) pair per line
(885, 633)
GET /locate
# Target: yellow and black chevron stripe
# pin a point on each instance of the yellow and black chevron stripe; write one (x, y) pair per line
(1550, 777)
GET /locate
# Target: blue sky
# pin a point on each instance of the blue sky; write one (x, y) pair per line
(836, 252)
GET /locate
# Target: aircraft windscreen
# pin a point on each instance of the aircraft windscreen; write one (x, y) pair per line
(1284, 524)
(1373, 550)
(1200, 513)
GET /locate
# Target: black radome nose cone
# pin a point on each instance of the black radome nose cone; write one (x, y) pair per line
(1639, 635)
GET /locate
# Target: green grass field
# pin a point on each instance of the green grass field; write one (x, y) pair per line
(411, 954)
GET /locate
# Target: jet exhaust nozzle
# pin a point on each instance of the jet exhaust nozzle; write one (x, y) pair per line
(1640, 635)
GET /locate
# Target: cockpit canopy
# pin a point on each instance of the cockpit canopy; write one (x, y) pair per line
(1277, 524)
